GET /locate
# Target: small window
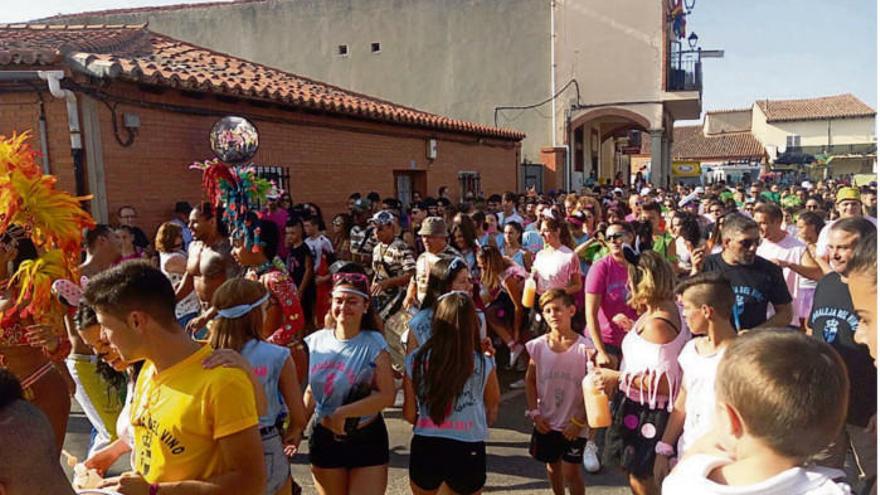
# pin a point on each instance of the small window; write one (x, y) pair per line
(342, 50)
(792, 141)
(375, 47)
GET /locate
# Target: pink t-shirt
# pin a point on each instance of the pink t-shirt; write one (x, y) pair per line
(559, 376)
(554, 268)
(607, 278)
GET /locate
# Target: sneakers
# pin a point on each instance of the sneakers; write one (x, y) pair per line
(516, 351)
(521, 383)
(591, 457)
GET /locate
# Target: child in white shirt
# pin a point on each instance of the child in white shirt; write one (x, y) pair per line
(781, 398)
(707, 302)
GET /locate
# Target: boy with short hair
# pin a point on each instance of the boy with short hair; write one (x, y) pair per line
(782, 398)
(557, 366)
(707, 301)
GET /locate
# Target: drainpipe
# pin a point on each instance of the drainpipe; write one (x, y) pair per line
(44, 142)
(53, 78)
(553, 72)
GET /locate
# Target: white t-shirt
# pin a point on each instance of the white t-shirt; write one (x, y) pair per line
(692, 476)
(822, 243)
(553, 268)
(790, 249)
(319, 246)
(698, 379)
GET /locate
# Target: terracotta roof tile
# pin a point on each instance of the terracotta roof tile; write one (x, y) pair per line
(689, 142)
(730, 110)
(134, 53)
(828, 107)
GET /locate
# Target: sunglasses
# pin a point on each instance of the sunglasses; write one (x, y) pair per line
(749, 243)
(350, 278)
(616, 235)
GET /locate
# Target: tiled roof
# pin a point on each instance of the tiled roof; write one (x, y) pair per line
(730, 110)
(131, 52)
(55, 19)
(828, 107)
(689, 142)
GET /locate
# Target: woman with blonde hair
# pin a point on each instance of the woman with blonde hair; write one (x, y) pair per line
(502, 283)
(649, 376)
(172, 262)
(240, 305)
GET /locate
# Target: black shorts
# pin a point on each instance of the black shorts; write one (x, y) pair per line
(634, 432)
(552, 446)
(461, 465)
(366, 447)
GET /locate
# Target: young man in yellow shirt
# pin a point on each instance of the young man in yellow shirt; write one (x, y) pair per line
(194, 429)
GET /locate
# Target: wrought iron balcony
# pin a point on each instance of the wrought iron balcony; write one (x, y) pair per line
(685, 69)
(836, 149)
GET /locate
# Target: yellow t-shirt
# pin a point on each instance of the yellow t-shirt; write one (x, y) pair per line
(179, 414)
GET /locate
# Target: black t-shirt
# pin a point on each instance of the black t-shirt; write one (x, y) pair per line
(755, 287)
(833, 320)
(296, 263)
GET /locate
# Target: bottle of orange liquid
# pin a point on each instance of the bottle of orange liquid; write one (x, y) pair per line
(528, 297)
(595, 402)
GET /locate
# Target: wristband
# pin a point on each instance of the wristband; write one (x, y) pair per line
(664, 449)
(532, 413)
(579, 424)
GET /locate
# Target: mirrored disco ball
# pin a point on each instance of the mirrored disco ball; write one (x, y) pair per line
(234, 140)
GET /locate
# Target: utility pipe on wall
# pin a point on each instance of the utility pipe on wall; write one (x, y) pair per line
(553, 72)
(53, 78)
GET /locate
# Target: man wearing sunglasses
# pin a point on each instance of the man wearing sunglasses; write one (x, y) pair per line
(434, 236)
(756, 282)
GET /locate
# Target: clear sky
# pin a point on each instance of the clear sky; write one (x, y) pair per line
(773, 49)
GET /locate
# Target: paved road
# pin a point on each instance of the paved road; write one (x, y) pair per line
(510, 469)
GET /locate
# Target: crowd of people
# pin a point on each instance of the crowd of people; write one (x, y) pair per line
(732, 329)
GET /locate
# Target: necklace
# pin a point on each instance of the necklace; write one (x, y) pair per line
(263, 268)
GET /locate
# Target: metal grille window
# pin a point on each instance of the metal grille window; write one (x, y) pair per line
(279, 175)
(469, 182)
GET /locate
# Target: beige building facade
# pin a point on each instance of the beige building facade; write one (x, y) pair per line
(494, 62)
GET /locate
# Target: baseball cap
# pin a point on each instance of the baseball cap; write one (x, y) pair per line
(645, 191)
(848, 193)
(807, 185)
(433, 227)
(699, 190)
(383, 217)
(617, 190)
(361, 205)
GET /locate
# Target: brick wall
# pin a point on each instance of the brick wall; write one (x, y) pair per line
(20, 111)
(328, 157)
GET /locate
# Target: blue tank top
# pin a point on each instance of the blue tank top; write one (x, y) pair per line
(267, 360)
(336, 367)
(466, 421)
(420, 325)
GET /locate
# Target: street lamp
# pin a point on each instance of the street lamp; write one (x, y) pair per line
(693, 39)
(689, 5)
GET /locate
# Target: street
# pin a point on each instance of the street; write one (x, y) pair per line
(510, 468)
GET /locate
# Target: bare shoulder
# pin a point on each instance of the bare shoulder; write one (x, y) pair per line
(660, 328)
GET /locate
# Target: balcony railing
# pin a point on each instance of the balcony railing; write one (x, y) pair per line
(835, 149)
(685, 70)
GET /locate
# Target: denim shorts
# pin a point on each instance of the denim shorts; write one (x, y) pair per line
(277, 465)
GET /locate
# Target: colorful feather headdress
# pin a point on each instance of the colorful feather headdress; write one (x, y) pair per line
(236, 189)
(31, 206)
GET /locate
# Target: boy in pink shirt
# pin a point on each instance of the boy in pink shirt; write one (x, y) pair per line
(557, 365)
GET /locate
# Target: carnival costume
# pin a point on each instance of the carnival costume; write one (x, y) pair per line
(33, 209)
(236, 189)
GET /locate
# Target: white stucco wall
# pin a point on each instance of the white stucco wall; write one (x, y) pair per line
(459, 58)
(813, 132)
(721, 122)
